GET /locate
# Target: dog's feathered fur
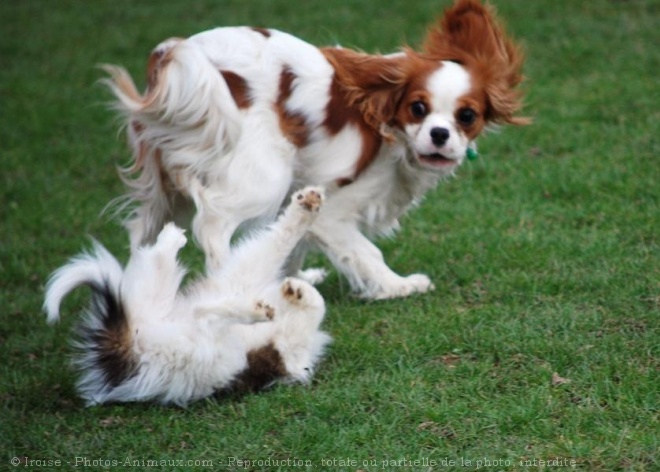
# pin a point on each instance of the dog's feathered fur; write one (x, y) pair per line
(241, 327)
(256, 113)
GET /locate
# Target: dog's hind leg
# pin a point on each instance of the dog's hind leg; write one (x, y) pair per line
(244, 194)
(152, 276)
(213, 228)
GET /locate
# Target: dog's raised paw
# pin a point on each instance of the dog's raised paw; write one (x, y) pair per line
(171, 236)
(264, 311)
(292, 291)
(310, 198)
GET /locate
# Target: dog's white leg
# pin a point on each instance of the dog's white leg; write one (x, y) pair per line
(249, 190)
(217, 218)
(363, 263)
(213, 233)
(152, 276)
(144, 224)
(267, 251)
(235, 310)
(297, 335)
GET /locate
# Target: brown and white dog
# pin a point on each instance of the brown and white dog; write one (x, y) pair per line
(234, 120)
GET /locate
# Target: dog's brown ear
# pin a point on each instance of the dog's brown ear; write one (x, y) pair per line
(370, 84)
(470, 33)
(473, 28)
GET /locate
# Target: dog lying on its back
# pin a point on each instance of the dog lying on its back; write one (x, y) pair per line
(241, 327)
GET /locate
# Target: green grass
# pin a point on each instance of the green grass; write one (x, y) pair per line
(545, 254)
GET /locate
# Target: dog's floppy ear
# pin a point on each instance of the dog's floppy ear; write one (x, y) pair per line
(471, 34)
(371, 83)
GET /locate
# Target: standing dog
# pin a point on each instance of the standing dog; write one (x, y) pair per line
(241, 327)
(251, 114)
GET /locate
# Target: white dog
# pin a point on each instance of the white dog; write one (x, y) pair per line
(241, 327)
(254, 114)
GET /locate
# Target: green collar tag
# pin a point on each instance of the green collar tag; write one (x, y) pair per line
(471, 154)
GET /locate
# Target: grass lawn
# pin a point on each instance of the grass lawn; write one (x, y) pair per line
(545, 253)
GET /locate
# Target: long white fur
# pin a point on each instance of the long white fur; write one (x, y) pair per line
(248, 165)
(189, 343)
(99, 265)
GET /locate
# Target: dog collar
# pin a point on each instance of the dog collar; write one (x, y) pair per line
(471, 154)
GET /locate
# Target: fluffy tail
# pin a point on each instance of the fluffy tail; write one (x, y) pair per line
(97, 269)
(104, 337)
(185, 119)
(186, 108)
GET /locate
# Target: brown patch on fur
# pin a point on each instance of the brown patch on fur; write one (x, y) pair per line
(112, 344)
(158, 59)
(418, 70)
(471, 34)
(238, 87)
(153, 69)
(265, 365)
(475, 100)
(365, 91)
(369, 85)
(292, 124)
(262, 31)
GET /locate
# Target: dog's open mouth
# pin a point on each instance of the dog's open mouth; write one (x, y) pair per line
(436, 159)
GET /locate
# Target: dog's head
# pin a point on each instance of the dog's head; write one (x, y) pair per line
(438, 100)
(464, 79)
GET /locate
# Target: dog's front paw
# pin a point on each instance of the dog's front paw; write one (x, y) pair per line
(301, 294)
(403, 287)
(313, 276)
(263, 311)
(309, 198)
(171, 237)
(292, 291)
(419, 283)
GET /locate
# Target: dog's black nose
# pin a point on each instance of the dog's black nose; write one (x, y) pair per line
(439, 136)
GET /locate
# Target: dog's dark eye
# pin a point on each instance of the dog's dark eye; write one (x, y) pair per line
(466, 116)
(418, 109)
